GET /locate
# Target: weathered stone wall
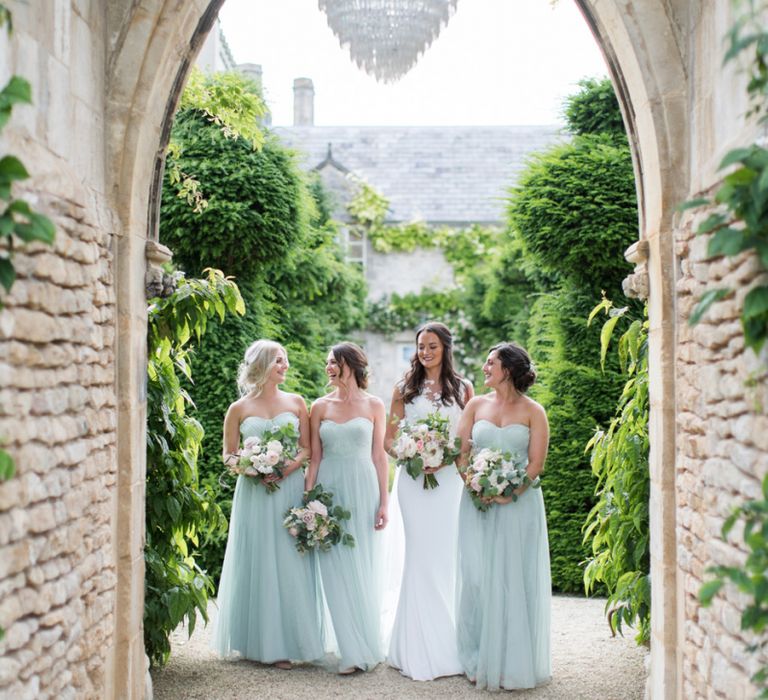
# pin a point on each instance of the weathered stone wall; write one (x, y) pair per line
(722, 393)
(722, 456)
(57, 370)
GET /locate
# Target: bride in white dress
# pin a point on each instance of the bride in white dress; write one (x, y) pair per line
(423, 641)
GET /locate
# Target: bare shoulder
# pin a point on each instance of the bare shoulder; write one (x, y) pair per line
(376, 404)
(319, 406)
(236, 408)
(535, 408)
(296, 400)
(475, 402)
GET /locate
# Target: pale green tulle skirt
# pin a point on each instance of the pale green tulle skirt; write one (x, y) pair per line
(269, 602)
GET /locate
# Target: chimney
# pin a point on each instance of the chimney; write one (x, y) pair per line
(303, 102)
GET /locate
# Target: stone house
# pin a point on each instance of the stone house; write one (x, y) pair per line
(443, 176)
(106, 80)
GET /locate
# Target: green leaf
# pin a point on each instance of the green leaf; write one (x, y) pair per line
(756, 303)
(693, 204)
(727, 241)
(12, 169)
(39, 228)
(17, 90)
(7, 467)
(709, 590)
(7, 274)
(605, 337)
(737, 155)
(707, 299)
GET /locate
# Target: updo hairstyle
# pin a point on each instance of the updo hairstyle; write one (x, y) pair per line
(254, 369)
(352, 356)
(516, 364)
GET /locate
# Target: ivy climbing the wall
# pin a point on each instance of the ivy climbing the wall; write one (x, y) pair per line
(19, 222)
(739, 224)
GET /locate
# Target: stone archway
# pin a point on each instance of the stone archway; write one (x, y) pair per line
(643, 45)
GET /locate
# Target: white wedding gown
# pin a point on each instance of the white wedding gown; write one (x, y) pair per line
(423, 641)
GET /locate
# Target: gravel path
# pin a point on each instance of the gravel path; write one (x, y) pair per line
(587, 665)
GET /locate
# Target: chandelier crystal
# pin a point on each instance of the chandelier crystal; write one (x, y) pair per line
(386, 37)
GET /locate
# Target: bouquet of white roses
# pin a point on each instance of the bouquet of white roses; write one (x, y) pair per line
(425, 443)
(317, 524)
(266, 455)
(494, 473)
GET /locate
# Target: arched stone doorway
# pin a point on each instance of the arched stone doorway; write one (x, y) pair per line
(646, 57)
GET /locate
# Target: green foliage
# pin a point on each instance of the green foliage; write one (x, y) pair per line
(751, 580)
(740, 223)
(18, 220)
(395, 313)
(258, 205)
(368, 207)
(618, 524)
(740, 219)
(229, 100)
(594, 110)
(179, 511)
(575, 210)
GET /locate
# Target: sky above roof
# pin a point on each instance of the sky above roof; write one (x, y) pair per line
(497, 62)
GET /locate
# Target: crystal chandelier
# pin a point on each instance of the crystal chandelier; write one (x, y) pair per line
(386, 37)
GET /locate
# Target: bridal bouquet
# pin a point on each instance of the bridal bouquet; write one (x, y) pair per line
(267, 454)
(494, 473)
(425, 443)
(317, 524)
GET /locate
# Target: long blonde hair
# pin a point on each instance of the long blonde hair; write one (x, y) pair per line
(258, 361)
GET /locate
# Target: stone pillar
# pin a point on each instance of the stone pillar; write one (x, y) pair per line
(303, 102)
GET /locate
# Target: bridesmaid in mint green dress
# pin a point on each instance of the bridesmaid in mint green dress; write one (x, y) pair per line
(348, 459)
(269, 602)
(504, 587)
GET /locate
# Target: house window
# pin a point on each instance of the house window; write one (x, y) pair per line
(354, 246)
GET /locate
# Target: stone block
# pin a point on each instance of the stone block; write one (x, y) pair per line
(14, 558)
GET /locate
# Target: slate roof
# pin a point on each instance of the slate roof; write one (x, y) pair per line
(452, 175)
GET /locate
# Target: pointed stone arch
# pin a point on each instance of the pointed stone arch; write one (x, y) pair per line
(643, 42)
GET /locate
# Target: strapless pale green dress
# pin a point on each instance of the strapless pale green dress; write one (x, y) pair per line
(504, 586)
(269, 599)
(351, 576)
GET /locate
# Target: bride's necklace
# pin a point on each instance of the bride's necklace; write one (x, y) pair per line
(429, 392)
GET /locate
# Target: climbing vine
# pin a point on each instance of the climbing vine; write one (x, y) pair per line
(229, 100)
(740, 223)
(18, 221)
(461, 246)
(740, 220)
(180, 512)
(618, 524)
(751, 579)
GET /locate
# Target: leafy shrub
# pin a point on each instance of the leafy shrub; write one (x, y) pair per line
(257, 209)
(575, 208)
(180, 511)
(594, 110)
